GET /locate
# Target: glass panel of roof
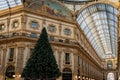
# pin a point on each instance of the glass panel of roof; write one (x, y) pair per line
(11, 3)
(100, 26)
(92, 9)
(83, 25)
(89, 34)
(109, 8)
(4, 4)
(100, 7)
(88, 20)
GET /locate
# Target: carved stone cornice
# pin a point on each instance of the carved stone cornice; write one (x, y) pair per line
(67, 50)
(11, 45)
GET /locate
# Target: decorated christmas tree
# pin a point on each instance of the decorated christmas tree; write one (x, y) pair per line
(42, 63)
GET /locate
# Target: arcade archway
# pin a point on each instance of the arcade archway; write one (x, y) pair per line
(10, 73)
(67, 74)
(110, 76)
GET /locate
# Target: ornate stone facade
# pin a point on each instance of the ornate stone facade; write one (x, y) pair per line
(16, 43)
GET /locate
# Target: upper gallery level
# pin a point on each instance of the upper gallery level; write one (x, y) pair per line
(28, 24)
(28, 18)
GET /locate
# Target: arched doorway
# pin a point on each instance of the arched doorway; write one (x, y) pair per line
(67, 74)
(10, 73)
(110, 76)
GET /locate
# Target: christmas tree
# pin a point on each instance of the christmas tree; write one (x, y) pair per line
(42, 63)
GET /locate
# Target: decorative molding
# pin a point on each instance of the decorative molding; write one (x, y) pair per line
(23, 21)
(68, 34)
(52, 26)
(37, 27)
(2, 24)
(15, 20)
(67, 50)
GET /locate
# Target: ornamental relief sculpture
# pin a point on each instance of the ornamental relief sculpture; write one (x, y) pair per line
(50, 7)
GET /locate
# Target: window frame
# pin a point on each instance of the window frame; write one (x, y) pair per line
(67, 58)
(36, 22)
(1, 28)
(11, 54)
(52, 26)
(13, 24)
(33, 35)
(67, 31)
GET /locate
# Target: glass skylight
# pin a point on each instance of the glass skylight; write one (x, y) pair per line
(4, 4)
(99, 23)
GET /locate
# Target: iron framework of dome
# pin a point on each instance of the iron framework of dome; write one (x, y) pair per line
(76, 2)
(99, 23)
(4, 4)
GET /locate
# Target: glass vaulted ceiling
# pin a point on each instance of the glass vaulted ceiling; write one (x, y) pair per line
(99, 23)
(4, 4)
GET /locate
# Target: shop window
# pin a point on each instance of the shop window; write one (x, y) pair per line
(78, 75)
(67, 74)
(10, 73)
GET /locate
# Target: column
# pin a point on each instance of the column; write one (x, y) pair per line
(19, 63)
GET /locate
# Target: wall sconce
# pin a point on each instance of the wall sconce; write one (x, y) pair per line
(83, 77)
(86, 78)
(119, 78)
(14, 76)
(79, 77)
(19, 75)
(76, 76)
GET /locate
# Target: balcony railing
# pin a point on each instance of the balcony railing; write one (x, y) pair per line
(18, 35)
(54, 39)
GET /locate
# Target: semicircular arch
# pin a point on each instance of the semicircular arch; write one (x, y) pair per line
(97, 2)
